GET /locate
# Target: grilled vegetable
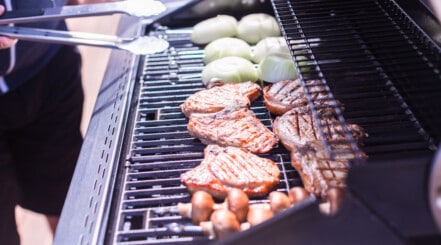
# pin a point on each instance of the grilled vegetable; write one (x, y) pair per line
(267, 46)
(224, 223)
(254, 27)
(238, 203)
(200, 208)
(230, 69)
(297, 194)
(214, 28)
(227, 46)
(258, 213)
(277, 67)
(279, 201)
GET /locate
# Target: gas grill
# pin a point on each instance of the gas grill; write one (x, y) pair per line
(375, 57)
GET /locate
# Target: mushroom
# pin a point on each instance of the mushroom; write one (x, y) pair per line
(224, 223)
(279, 201)
(199, 209)
(258, 213)
(297, 194)
(237, 202)
(335, 197)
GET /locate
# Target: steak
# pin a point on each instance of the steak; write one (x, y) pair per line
(296, 128)
(224, 168)
(299, 133)
(319, 173)
(286, 95)
(217, 98)
(233, 126)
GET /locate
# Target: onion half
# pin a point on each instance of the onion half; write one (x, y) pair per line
(226, 46)
(214, 28)
(267, 46)
(230, 69)
(277, 67)
(254, 27)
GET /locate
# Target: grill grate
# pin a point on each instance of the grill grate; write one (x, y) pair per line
(376, 62)
(161, 148)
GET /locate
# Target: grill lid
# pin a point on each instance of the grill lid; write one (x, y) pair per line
(377, 62)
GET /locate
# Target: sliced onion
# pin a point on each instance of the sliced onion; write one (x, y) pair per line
(230, 69)
(254, 27)
(277, 67)
(214, 28)
(226, 46)
(267, 46)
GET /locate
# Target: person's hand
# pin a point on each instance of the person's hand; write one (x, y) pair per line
(6, 42)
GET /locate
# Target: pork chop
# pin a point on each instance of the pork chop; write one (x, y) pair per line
(286, 95)
(297, 128)
(218, 97)
(233, 126)
(319, 173)
(224, 168)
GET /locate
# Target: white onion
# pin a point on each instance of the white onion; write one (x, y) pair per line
(277, 67)
(254, 27)
(230, 69)
(214, 28)
(226, 46)
(267, 46)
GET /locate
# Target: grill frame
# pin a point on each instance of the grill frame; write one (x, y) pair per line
(87, 211)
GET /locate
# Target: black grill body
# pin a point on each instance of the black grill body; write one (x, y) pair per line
(372, 56)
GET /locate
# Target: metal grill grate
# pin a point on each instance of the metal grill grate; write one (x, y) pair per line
(376, 62)
(161, 148)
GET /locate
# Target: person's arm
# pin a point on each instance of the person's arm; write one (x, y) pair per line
(6, 42)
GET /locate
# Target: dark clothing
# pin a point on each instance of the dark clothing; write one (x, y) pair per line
(40, 140)
(29, 57)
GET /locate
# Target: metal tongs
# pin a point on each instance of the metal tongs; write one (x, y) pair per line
(141, 45)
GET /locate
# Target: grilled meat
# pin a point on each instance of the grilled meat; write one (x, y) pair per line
(299, 133)
(282, 96)
(224, 168)
(289, 94)
(296, 128)
(317, 172)
(218, 97)
(233, 126)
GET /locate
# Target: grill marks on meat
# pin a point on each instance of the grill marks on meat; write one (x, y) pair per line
(230, 167)
(295, 129)
(233, 126)
(318, 173)
(200, 178)
(220, 117)
(286, 95)
(300, 134)
(219, 97)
